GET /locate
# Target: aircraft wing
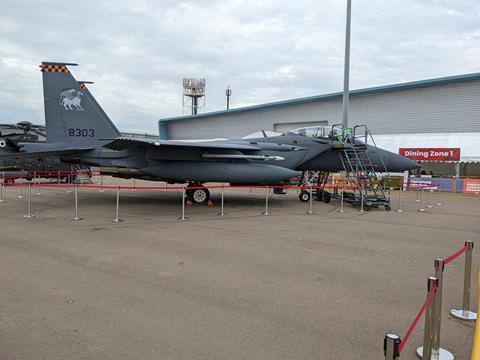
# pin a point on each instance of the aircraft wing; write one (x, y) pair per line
(45, 149)
(123, 143)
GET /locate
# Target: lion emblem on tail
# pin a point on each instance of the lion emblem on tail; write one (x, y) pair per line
(71, 99)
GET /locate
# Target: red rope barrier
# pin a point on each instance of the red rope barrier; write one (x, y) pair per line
(455, 255)
(417, 318)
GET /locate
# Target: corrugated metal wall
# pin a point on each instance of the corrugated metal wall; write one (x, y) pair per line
(432, 109)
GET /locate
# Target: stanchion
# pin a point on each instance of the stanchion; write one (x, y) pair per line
(362, 211)
(390, 346)
(266, 202)
(183, 218)
(69, 182)
(465, 313)
(341, 211)
(250, 191)
(222, 213)
(21, 189)
(117, 219)
(101, 183)
(2, 200)
(134, 185)
(425, 352)
(76, 217)
(416, 194)
(430, 198)
(422, 208)
(310, 202)
(439, 203)
(58, 177)
(437, 351)
(36, 181)
(400, 189)
(29, 215)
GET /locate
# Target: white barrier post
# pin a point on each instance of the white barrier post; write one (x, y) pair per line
(29, 215)
(430, 197)
(134, 185)
(101, 183)
(422, 208)
(465, 313)
(183, 218)
(21, 189)
(266, 202)
(400, 189)
(69, 182)
(37, 181)
(222, 213)
(76, 217)
(425, 352)
(361, 199)
(390, 346)
(310, 202)
(439, 203)
(341, 211)
(117, 219)
(2, 200)
(416, 194)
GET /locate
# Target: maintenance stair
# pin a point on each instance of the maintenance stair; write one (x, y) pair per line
(368, 189)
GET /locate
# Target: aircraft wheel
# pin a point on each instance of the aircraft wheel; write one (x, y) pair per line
(387, 208)
(326, 197)
(304, 196)
(200, 196)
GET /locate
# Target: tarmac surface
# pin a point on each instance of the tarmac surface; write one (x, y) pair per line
(242, 286)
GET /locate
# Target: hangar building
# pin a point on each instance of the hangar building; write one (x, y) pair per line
(441, 113)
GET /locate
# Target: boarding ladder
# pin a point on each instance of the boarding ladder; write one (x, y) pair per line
(360, 171)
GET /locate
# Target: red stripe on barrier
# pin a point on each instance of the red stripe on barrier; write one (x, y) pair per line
(417, 318)
(455, 255)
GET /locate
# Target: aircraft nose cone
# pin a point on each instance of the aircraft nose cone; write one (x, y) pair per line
(400, 163)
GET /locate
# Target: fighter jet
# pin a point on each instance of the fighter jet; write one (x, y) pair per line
(79, 131)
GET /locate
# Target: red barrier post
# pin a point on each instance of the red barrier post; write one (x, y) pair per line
(465, 314)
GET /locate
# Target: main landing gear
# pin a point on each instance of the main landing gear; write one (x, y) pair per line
(197, 194)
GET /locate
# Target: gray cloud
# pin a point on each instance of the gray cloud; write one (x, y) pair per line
(137, 52)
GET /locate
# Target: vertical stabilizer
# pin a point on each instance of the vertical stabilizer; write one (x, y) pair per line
(71, 113)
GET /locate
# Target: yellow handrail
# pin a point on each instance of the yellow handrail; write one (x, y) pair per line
(476, 337)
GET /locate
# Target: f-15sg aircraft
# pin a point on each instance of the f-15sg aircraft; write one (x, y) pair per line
(79, 131)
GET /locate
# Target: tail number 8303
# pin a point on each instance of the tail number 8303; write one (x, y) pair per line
(81, 132)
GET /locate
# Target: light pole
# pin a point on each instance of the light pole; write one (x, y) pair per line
(346, 70)
(228, 93)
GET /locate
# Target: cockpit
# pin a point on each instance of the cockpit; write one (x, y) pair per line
(322, 132)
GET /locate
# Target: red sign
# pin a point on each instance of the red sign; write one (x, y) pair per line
(471, 186)
(431, 154)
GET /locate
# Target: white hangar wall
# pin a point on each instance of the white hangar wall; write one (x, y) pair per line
(429, 106)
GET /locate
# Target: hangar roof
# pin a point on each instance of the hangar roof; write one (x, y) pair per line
(336, 95)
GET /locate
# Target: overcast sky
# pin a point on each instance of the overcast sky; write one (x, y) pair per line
(137, 52)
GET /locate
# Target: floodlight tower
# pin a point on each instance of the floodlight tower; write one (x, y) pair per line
(346, 70)
(228, 93)
(193, 94)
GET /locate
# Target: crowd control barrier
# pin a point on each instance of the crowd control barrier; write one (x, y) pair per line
(432, 310)
(338, 189)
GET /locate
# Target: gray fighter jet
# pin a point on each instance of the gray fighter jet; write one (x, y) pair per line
(80, 132)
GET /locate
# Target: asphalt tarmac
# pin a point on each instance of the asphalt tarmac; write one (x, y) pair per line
(241, 286)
